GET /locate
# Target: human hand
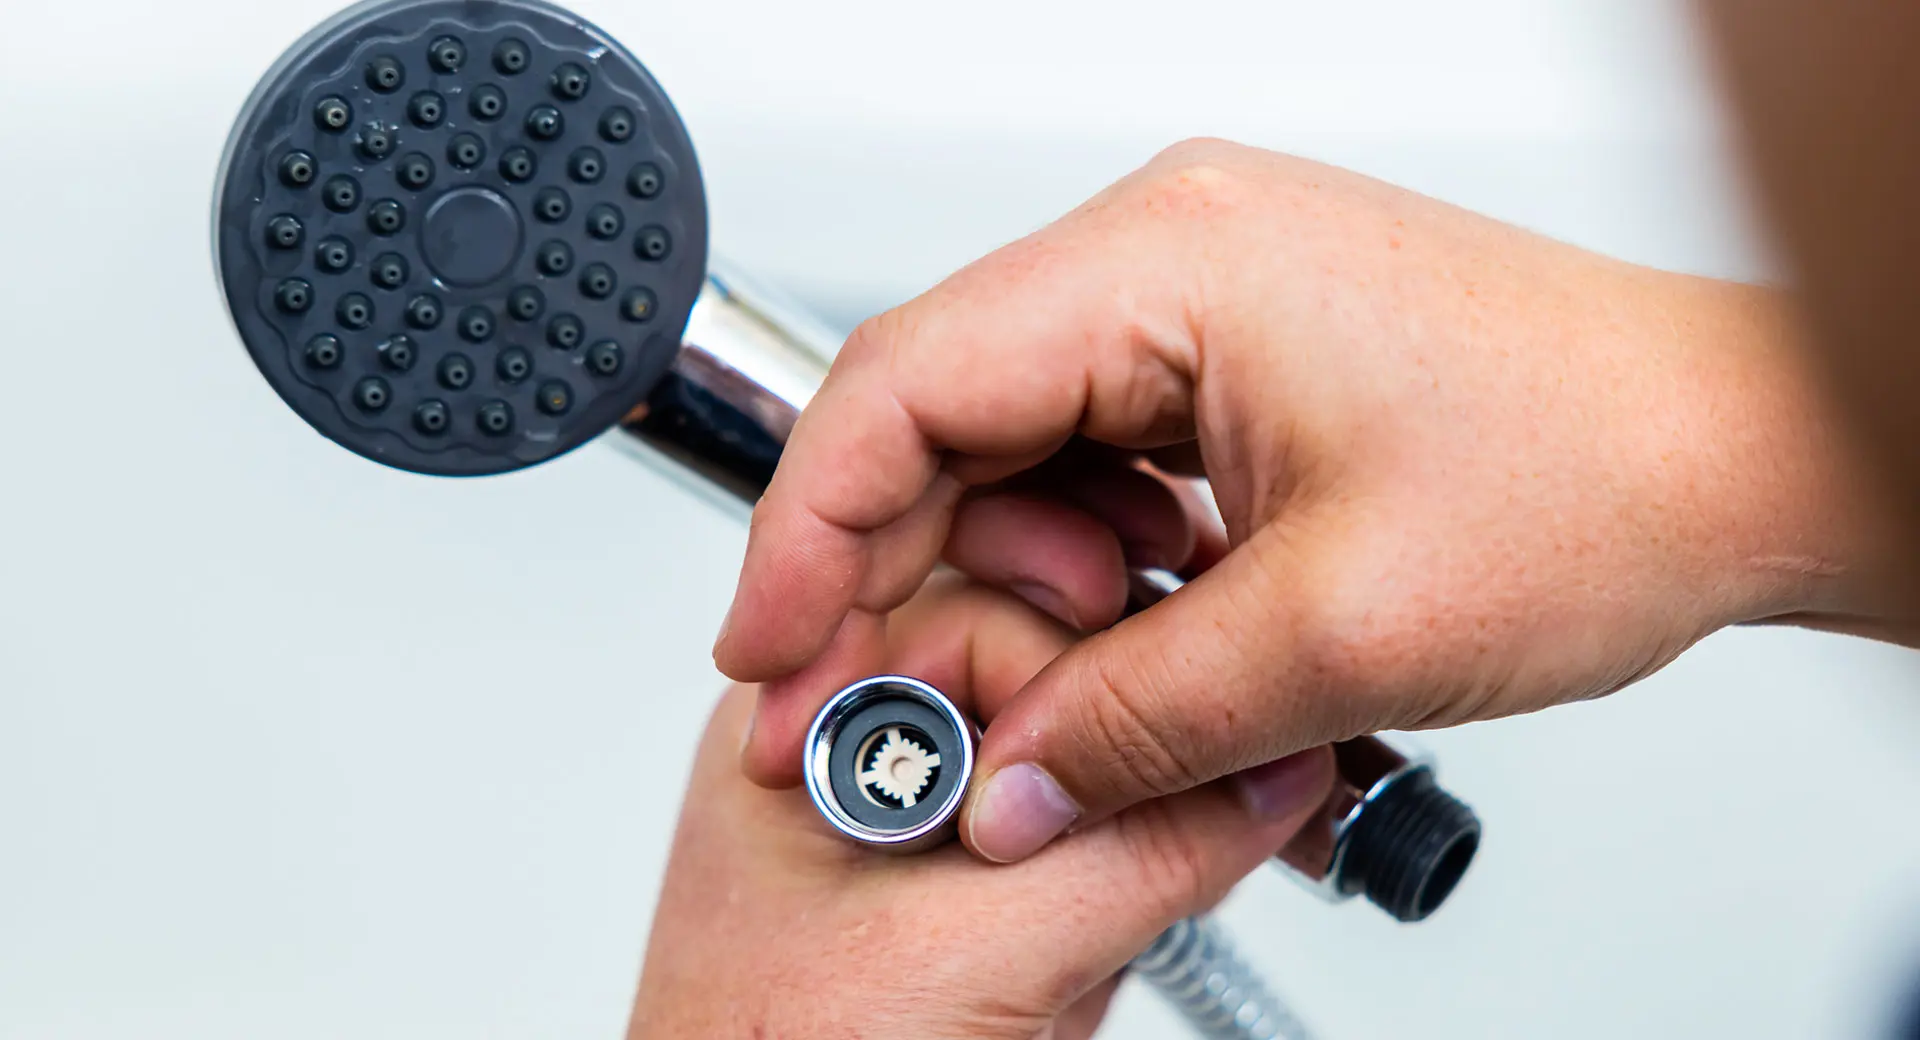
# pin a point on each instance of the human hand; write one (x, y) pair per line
(1465, 472)
(770, 925)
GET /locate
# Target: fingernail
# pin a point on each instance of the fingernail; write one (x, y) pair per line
(725, 624)
(1018, 812)
(1046, 599)
(1281, 788)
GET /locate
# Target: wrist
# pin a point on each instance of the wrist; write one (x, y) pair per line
(1797, 529)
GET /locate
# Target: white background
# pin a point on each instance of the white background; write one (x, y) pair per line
(294, 746)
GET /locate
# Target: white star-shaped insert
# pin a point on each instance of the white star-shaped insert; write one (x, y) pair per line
(900, 768)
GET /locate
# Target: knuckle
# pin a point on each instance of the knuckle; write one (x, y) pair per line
(1195, 178)
(1194, 151)
(1172, 868)
(868, 340)
(1132, 751)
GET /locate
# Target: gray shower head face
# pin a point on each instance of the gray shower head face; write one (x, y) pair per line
(460, 237)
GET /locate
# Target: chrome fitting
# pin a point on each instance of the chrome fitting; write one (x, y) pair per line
(887, 763)
(1388, 831)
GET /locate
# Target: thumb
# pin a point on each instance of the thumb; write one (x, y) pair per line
(1203, 684)
(1147, 868)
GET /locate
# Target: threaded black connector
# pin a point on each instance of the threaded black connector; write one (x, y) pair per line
(1410, 847)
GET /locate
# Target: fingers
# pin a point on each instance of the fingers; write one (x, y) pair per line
(1056, 557)
(974, 643)
(981, 377)
(1062, 535)
(1149, 517)
(1137, 873)
(771, 753)
(1202, 685)
(1067, 560)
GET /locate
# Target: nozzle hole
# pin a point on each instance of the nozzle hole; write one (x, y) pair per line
(570, 82)
(513, 365)
(552, 205)
(586, 165)
(333, 255)
(604, 222)
(597, 281)
(652, 244)
(554, 398)
(554, 258)
(447, 54)
(495, 418)
(341, 194)
(323, 351)
(354, 311)
(389, 271)
(605, 358)
(466, 151)
(525, 303)
(476, 324)
(427, 109)
(371, 394)
(423, 311)
(565, 332)
(511, 56)
(638, 305)
(385, 74)
(456, 372)
(431, 417)
(293, 296)
(546, 123)
(645, 181)
(398, 353)
(616, 125)
(414, 172)
(376, 144)
(332, 114)
(297, 169)
(284, 232)
(517, 164)
(487, 102)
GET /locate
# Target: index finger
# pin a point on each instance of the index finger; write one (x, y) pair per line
(991, 371)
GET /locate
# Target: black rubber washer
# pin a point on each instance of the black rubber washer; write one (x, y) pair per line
(843, 769)
(376, 59)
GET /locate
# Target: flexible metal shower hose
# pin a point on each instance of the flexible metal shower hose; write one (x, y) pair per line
(1193, 965)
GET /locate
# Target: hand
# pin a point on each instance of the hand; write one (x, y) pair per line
(770, 925)
(1465, 472)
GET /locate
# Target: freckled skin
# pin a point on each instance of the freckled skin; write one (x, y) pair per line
(1465, 471)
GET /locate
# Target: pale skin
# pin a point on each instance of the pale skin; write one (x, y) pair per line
(771, 926)
(1465, 471)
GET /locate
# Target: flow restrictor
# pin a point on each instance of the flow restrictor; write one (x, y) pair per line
(491, 182)
(887, 763)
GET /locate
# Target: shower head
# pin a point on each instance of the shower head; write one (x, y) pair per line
(460, 237)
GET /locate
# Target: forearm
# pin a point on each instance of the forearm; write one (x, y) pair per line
(1828, 96)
